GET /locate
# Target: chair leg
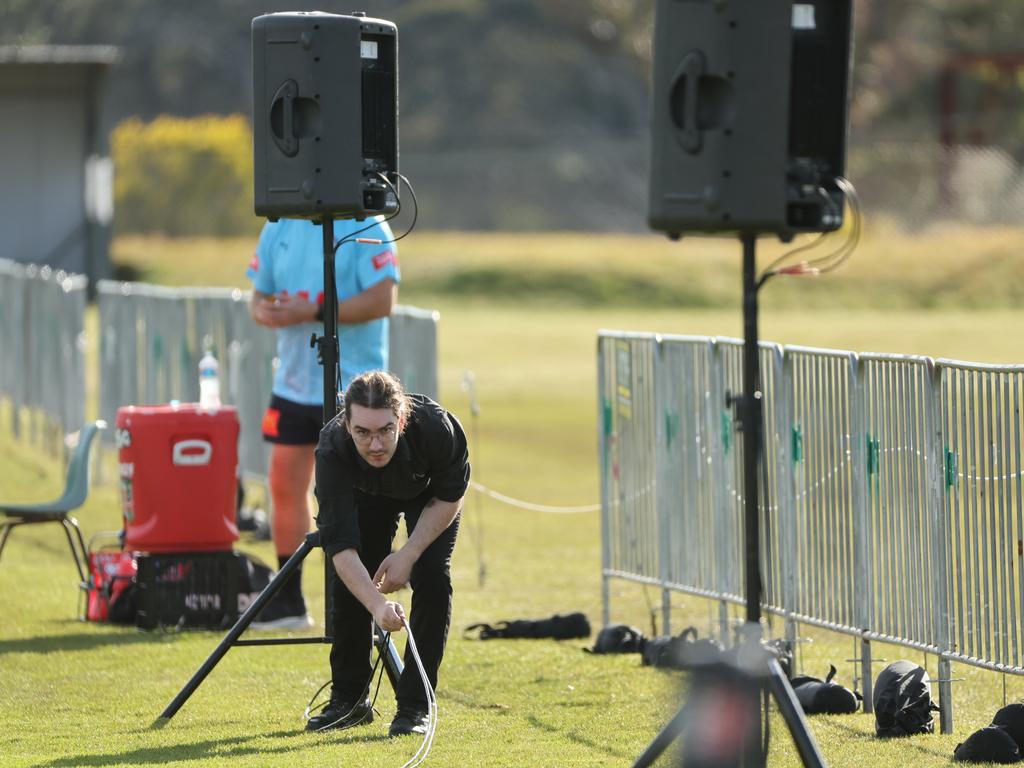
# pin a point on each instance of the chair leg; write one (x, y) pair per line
(78, 555)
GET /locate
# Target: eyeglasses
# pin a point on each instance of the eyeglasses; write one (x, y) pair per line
(386, 434)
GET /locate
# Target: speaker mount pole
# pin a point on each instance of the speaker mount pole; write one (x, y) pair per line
(752, 421)
(329, 356)
(328, 343)
(769, 673)
(751, 414)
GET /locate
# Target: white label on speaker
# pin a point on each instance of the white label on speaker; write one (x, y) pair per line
(803, 16)
(368, 49)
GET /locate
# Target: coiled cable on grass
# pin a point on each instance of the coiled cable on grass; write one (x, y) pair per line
(312, 706)
(428, 737)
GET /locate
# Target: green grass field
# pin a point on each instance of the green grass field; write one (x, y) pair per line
(76, 694)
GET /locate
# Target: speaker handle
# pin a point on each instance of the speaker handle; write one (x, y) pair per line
(285, 96)
(688, 76)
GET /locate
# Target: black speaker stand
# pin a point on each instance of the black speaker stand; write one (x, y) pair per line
(328, 354)
(766, 671)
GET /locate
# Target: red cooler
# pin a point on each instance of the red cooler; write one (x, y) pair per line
(178, 481)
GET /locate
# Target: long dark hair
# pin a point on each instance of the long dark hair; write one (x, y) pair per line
(377, 389)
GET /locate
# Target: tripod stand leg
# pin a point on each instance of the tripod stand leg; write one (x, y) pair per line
(393, 663)
(312, 540)
(792, 713)
(667, 735)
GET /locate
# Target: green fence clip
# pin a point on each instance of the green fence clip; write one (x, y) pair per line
(726, 430)
(872, 456)
(607, 411)
(951, 474)
(158, 349)
(797, 444)
(671, 427)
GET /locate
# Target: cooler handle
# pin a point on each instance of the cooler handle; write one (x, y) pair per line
(182, 459)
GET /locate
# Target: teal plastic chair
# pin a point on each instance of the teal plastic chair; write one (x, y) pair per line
(76, 489)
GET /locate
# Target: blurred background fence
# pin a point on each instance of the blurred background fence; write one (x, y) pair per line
(150, 341)
(42, 349)
(893, 507)
(152, 337)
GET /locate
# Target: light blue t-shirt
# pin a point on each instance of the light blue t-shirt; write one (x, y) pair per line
(289, 261)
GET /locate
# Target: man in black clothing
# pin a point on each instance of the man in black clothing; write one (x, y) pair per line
(388, 453)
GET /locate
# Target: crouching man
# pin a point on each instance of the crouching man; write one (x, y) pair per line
(388, 453)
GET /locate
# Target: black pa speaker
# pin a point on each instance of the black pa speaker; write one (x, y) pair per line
(325, 115)
(749, 116)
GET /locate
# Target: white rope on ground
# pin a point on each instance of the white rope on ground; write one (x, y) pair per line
(532, 507)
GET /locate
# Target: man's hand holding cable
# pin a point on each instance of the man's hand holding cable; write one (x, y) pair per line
(390, 616)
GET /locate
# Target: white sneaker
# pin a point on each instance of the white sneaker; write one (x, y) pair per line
(282, 613)
(304, 621)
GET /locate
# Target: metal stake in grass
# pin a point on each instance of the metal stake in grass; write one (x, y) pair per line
(469, 386)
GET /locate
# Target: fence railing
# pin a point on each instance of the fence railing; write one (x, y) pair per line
(150, 342)
(893, 504)
(152, 337)
(42, 348)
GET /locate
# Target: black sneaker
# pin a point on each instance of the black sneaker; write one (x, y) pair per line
(409, 720)
(280, 613)
(340, 713)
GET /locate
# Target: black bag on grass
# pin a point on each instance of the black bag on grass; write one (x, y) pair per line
(1011, 719)
(902, 700)
(559, 627)
(823, 697)
(683, 651)
(988, 745)
(618, 638)
(782, 650)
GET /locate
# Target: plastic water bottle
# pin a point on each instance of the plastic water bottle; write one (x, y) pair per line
(209, 382)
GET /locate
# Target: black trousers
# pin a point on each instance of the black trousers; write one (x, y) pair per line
(430, 615)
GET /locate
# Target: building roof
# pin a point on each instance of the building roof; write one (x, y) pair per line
(59, 54)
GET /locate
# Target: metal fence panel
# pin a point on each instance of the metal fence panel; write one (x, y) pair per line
(685, 462)
(898, 397)
(775, 489)
(731, 569)
(42, 325)
(892, 503)
(730, 536)
(982, 478)
(413, 355)
(631, 513)
(821, 387)
(152, 337)
(13, 321)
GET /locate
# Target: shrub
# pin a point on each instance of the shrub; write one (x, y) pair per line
(184, 176)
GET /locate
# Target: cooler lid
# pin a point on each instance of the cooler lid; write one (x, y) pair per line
(181, 413)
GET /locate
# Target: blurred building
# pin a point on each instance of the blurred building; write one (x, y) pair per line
(56, 178)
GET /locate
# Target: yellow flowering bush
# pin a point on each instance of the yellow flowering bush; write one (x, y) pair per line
(184, 176)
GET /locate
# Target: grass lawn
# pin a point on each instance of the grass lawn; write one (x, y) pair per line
(76, 694)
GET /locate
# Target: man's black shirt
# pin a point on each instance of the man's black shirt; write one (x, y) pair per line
(431, 455)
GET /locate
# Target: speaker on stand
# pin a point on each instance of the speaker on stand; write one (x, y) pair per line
(325, 146)
(748, 138)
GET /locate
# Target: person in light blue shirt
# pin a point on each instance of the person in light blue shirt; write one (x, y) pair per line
(287, 274)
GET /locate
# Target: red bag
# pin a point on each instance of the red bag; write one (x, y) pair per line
(111, 575)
